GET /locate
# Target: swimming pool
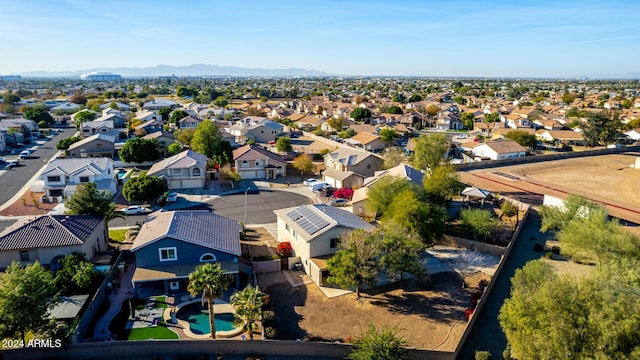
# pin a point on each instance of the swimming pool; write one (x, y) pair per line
(198, 319)
(102, 268)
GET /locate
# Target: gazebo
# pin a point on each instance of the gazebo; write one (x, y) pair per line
(473, 193)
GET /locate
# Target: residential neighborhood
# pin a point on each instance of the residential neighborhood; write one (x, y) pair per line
(325, 210)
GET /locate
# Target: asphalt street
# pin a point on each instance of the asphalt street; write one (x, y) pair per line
(259, 206)
(14, 179)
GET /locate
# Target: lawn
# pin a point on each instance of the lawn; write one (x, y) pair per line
(160, 302)
(117, 235)
(159, 332)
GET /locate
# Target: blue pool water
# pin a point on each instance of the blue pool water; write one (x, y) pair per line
(198, 319)
(122, 174)
(102, 268)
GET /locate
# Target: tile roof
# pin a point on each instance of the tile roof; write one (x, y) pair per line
(71, 166)
(255, 152)
(182, 160)
(365, 137)
(49, 231)
(199, 227)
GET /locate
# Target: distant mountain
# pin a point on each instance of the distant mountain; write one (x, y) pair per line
(188, 70)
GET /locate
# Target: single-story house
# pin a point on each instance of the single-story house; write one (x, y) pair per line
(313, 231)
(503, 149)
(48, 238)
(98, 145)
(342, 179)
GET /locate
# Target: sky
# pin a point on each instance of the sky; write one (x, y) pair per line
(545, 38)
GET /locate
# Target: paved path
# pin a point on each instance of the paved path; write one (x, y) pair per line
(120, 295)
(486, 333)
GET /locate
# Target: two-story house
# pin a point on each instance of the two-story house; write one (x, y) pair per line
(314, 232)
(149, 127)
(148, 115)
(91, 128)
(367, 141)
(118, 120)
(63, 175)
(48, 238)
(171, 244)
(98, 145)
(255, 162)
(164, 139)
(189, 122)
(185, 170)
(348, 159)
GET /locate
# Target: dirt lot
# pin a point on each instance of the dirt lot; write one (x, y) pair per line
(25, 206)
(429, 317)
(608, 179)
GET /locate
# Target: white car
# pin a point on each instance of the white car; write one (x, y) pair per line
(463, 136)
(339, 202)
(135, 210)
(172, 197)
(310, 181)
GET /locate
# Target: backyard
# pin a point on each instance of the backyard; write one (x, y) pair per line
(429, 316)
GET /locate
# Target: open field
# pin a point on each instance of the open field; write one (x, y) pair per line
(607, 179)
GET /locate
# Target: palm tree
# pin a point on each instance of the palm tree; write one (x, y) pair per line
(248, 305)
(210, 280)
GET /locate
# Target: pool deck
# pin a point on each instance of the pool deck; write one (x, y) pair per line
(219, 306)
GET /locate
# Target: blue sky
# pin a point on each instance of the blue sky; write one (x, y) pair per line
(369, 37)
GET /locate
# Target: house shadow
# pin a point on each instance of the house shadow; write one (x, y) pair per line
(284, 300)
(441, 300)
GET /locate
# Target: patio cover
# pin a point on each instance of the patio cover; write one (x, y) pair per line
(473, 192)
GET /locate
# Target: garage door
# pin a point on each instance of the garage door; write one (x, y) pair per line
(190, 184)
(248, 174)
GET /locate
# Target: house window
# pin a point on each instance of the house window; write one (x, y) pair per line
(208, 257)
(98, 146)
(24, 256)
(55, 192)
(295, 234)
(257, 162)
(333, 243)
(245, 163)
(176, 171)
(168, 254)
(53, 178)
(84, 179)
(287, 227)
(196, 171)
(368, 166)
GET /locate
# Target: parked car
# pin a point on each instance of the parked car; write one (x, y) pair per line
(462, 136)
(3, 160)
(339, 202)
(135, 210)
(24, 154)
(310, 181)
(172, 197)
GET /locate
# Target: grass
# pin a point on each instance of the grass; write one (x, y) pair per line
(117, 235)
(160, 302)
(159, 332)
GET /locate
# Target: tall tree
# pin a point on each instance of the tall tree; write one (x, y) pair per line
(432, 110)
(402, 251)
(523, 138)
(208, 141)
(601, 129)
(302, 163)
(88, 200)
(139, 150)
(144, 188)
(38, 114)
(66, 142)
(381, 194)
(337, 123)
(388, 135)
(184, 135)
(283, 144)
(442, 184)
(210, 280)
(468, 119)
(355, 263)
(422, 218)
(177, 115)
(248, 305)
(556, 218)
(221, 101)
(479, 222)
(430, 151)
(379, 344)
(360, 114)
(492, 118)
(26, 297)
(165, 112)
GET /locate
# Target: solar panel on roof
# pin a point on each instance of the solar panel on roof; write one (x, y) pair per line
(308, 220)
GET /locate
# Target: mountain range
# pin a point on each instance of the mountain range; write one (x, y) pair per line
(187, 70)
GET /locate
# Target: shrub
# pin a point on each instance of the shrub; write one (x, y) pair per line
(555, 250)
(483, 355)
(270, 332)
(548, 255)
(538, 247)
(506, 354)
(268, 315)
(324, 152)
(284, 249)
(343, 193)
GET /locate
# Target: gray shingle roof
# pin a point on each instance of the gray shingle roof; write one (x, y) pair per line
(73, 165)
(49, 231)
(198, 227)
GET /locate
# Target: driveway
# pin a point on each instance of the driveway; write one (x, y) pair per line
(259, 207)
